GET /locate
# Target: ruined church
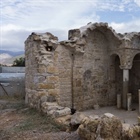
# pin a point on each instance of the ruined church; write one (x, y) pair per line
(91, 68)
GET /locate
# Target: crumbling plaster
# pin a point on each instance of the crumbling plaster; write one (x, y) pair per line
(81, 71)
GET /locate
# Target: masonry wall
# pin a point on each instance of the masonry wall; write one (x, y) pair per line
(64, 65)
(41, 73)
(91, 74)
(84, 71)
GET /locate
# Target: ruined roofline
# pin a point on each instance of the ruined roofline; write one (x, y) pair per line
(47, 36)
(78, 34)
(74, 34)
(131, 35)
(84, 30)
(92, 26)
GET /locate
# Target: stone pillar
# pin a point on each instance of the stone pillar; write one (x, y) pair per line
(139, 100)
(125, 87)
(129, 101)
(118, 101)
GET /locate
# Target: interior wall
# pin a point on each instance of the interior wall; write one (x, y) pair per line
(95, 71)
(134, 83)
(64, 65)
(115, 79)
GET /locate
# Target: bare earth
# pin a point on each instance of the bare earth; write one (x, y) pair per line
(17, 122)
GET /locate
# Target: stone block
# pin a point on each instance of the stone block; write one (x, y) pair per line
(53, 92)
(64, 120)
(42, 69)
(63, 112)
(46, 86)
(65, 73)
(77, 118)
(52, 69)
(52, 79)
(46, 105)
(106, 127)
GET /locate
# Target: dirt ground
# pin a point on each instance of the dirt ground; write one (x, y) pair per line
(18, 122)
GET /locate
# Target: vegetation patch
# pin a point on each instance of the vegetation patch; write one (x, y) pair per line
(38, 122)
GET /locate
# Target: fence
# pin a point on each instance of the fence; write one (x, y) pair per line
(12, 81)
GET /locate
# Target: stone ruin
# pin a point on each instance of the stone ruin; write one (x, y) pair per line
(92, 68)
(95, 67)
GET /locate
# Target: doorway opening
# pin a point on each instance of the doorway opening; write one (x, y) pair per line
(134, 83)
(116, 79)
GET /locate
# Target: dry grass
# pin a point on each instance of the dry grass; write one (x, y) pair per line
(17, 120)
(38, 122)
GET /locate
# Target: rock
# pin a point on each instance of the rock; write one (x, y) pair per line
(53, 109)
(136, 132)
(63, 112)
(109, 115)
(43, 99)
(77, 118)
(127, 131)
(111, 127)
(87, 130)
(106, 127)
(64, 120)
(47, 106)
(51, 112)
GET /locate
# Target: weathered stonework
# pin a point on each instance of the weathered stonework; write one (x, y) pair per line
(86, 70)
(107, 127)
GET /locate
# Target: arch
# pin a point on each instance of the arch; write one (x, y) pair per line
(115, 78)
(134, 84)
(111, 36)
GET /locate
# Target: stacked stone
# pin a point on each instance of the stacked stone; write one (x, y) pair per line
(82, 72)
(107, 127)
(42, 80)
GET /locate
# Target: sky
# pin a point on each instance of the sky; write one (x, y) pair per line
(19, 18)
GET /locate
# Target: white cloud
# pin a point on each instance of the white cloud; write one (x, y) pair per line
(137, 2)
(133, 26)
(21, 17)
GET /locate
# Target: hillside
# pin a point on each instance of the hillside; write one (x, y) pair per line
(7, 57)
(11, 60)
(11, 53)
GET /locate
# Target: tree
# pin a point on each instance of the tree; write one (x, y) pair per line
(19, 62)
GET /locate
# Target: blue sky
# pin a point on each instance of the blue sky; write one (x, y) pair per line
(18, 18)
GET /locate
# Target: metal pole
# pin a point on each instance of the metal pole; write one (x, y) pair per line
(4, 89)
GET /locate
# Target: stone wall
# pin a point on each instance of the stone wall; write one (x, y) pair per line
(84, 71)
(64, 65)
(41, 71)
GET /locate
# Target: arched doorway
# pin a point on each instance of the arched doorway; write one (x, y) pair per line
(134, 83)
(116, 78)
